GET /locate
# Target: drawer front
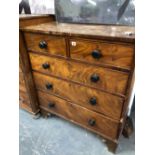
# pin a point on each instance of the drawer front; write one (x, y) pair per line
(78, 114)
(105, 103)
(46, 44)
(102, 78)
(102, 53)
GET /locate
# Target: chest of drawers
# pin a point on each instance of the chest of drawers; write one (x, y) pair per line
(82, 73)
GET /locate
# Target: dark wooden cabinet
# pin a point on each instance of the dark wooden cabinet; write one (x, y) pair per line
(82, 73)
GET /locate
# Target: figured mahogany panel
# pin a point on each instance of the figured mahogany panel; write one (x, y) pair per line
(46, 44)
(107, 104)
(110, 80)
(79, 114)
(97, 52)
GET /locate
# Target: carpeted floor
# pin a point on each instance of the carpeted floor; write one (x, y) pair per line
(55, 136)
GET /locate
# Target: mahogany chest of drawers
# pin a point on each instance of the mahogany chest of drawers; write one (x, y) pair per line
(82, 73)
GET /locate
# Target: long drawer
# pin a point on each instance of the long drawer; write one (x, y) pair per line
(99, 101)
(78, 114)
(46, 44)
(97, 52)
(99, 77)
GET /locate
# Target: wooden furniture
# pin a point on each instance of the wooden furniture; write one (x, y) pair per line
(82, 73)
(28, 101)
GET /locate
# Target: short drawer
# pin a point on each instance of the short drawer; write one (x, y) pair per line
(99, 77)
(46, 43)
(97, 52)
(99, 101)
(80, 115)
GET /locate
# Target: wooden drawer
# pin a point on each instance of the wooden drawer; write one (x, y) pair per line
(97, 52)
(99, 77)
(99, 101)
(78, 114)
(46, 44)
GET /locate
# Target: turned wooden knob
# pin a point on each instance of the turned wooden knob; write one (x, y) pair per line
(49, 86)
(46, 65)
(43, 44)
(94, 78)
(93, 101)
(96, 54)
(92, 122)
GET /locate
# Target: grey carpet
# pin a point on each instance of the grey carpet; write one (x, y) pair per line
(55, 136)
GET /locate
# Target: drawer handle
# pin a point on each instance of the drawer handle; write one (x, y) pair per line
(91, 122)
(93, 101)
(94, 78)
(96, 54)
(46, 65)
(43, 44)
(51, 105)
(49, 86)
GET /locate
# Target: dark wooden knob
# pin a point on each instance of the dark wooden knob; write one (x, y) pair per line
(51, 105)
(93, 101)
(94, 78)
(45, 65)
(49, 86)
(96, 54)
(43, 44)
(92, 122)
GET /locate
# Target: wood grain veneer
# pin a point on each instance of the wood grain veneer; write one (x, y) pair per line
(107, 104)
(55, 45)
(106, 32)
(110, 80)
(119, 55)
(58, 62)
(79, 114)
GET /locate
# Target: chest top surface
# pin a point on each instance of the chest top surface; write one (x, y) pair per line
(109, 32)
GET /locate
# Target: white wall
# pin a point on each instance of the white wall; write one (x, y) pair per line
(41, 6)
